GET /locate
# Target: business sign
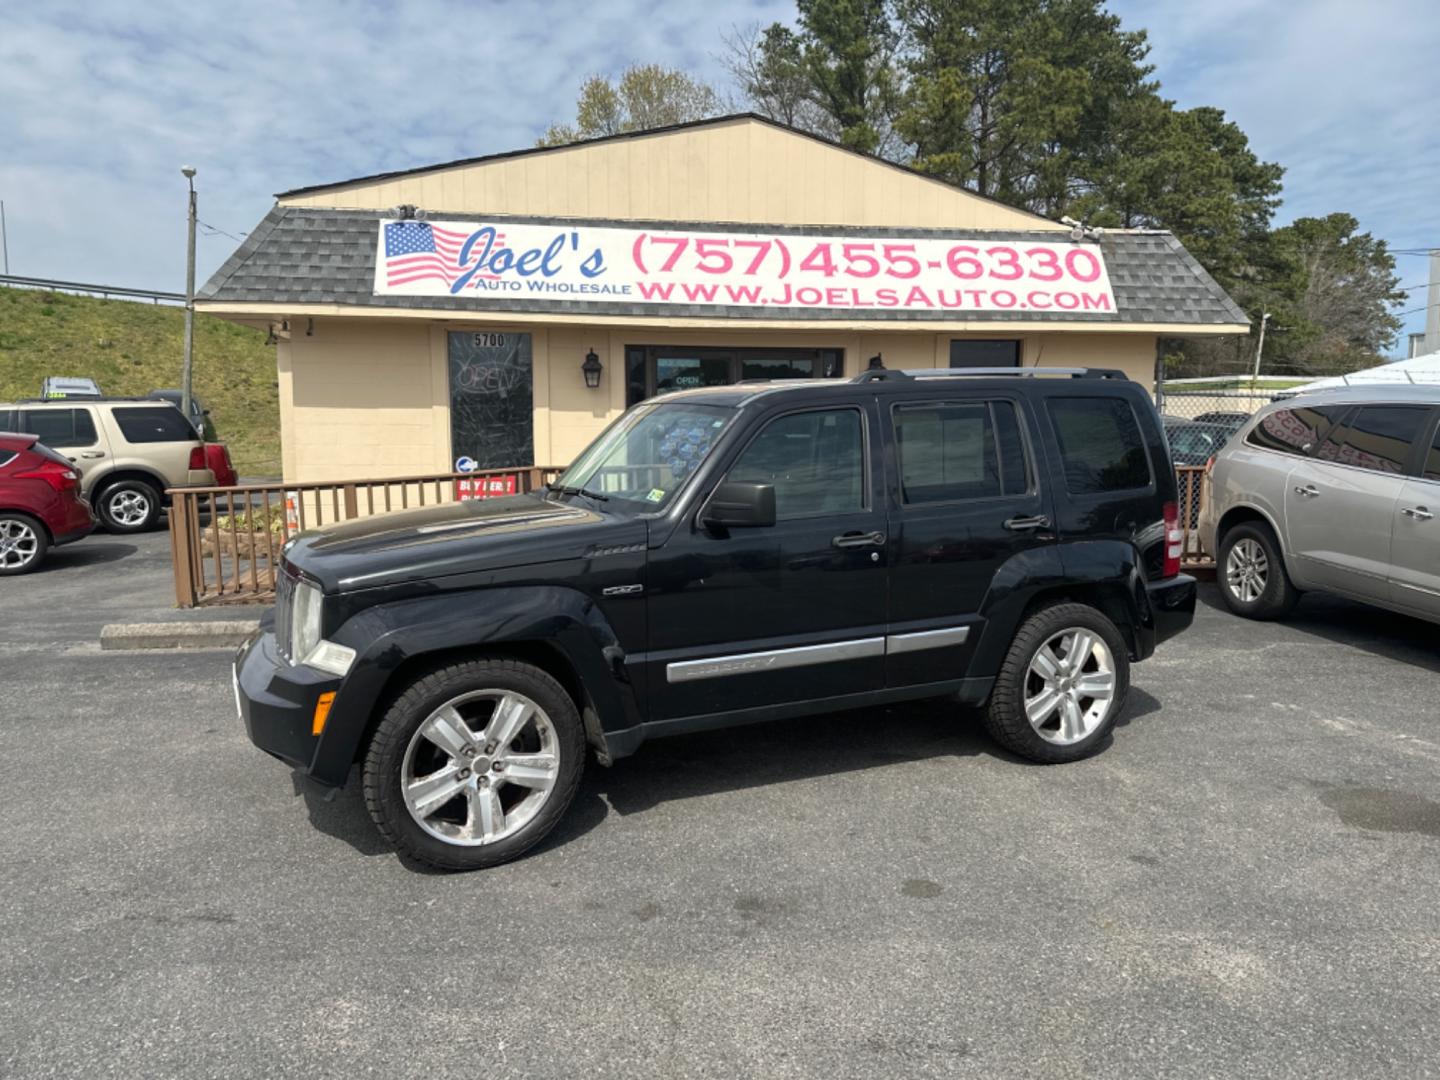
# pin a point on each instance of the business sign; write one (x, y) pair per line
(751, 270)
(486, 487)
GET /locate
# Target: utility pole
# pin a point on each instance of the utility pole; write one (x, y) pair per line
(1432, 309)
(188, 171)
(4, 237)
(1259, 349)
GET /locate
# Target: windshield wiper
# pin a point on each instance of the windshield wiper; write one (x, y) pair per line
(567, 489)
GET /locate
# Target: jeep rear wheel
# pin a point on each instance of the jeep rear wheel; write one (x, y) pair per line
(474, 763)
(1062, 686)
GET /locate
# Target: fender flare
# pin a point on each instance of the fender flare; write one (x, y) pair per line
(388, 636)
(1109, 571)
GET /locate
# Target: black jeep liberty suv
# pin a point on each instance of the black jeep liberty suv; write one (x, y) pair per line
(1009, 539)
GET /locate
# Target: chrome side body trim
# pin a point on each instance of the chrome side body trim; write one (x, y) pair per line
(927, 639)
(773, 660)
(716, 667)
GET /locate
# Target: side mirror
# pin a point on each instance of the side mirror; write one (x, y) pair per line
(739, 505)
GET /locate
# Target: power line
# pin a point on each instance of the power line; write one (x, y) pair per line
(213, 231)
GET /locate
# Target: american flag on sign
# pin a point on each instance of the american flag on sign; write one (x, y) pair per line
(417, 250)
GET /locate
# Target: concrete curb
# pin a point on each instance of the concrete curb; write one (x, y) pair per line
(177, 635)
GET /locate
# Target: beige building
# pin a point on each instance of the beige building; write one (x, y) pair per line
(452, 311)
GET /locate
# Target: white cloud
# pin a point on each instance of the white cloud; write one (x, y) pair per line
(1343, 94)
(102, 101)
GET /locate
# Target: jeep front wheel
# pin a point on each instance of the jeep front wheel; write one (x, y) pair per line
(474, 763)
(1062, 685)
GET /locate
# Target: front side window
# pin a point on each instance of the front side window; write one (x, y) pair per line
(646, 456)
(1100, 444)
(1295, 431)
(1375, 437)
(154, 424)
(967, 450)
(815, 460)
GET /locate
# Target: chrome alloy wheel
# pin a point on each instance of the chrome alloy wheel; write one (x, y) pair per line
(1247, 571)
(480, 767)
(18, 544)
(1069, 686)
(128, 508)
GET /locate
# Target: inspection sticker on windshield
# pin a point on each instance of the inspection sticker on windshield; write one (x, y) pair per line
(656, 494)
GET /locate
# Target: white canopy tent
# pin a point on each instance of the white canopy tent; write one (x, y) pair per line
(1417, 370)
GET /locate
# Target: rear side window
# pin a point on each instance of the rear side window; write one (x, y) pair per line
(1376, 437)
(1295, 431)
(154, 424)
(61, 427)
(961, 450)
(1100, 443)
(9, 420)
(6, 456)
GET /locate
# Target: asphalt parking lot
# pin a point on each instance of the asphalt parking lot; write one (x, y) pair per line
(1245, 883)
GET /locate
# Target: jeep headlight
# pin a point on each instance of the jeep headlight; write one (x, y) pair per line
(306, 644)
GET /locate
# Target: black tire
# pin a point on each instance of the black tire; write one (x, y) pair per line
(23, 543)
(1005, 717)
(1277, 596)
(117, 502)
(385, 761)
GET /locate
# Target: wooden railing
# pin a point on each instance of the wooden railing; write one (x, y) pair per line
(1191, 482)
(225, 541)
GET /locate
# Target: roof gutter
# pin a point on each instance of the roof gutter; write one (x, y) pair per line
(259, 312)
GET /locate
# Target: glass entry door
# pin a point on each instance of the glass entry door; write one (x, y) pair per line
(662, 369)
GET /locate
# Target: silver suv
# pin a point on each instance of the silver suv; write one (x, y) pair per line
(129, 451)
(1335, 490)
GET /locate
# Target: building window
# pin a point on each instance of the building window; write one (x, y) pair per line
(970, 353)
(661, 369)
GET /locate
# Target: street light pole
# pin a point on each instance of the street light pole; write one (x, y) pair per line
(1259, 349)
(188, 171)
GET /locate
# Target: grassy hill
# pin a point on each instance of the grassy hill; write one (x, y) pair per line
(131, 347)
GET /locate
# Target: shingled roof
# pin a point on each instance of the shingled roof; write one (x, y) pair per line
(303, 255)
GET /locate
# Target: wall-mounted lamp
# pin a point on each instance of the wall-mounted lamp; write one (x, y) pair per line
(591, 369)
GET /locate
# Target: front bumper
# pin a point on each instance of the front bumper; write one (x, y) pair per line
(1172, 606)
(276, 700)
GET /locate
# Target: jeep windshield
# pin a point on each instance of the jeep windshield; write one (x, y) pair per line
(645, 458)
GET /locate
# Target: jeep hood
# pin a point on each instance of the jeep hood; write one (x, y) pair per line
(456, 538)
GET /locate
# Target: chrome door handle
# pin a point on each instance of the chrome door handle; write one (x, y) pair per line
(858, 539)
(1419, 513)
(1022, 524)
(93, 454)
(1309, 491)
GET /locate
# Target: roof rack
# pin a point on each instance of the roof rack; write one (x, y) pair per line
(887, 374)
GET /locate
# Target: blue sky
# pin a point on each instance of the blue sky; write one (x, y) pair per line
(102, 101)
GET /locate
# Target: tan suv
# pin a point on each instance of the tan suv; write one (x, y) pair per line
(129, 451)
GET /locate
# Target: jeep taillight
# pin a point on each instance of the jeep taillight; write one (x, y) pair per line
(59, 476)
(1174, 540)
(197, 457)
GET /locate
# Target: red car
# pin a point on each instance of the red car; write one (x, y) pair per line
(40, 503)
